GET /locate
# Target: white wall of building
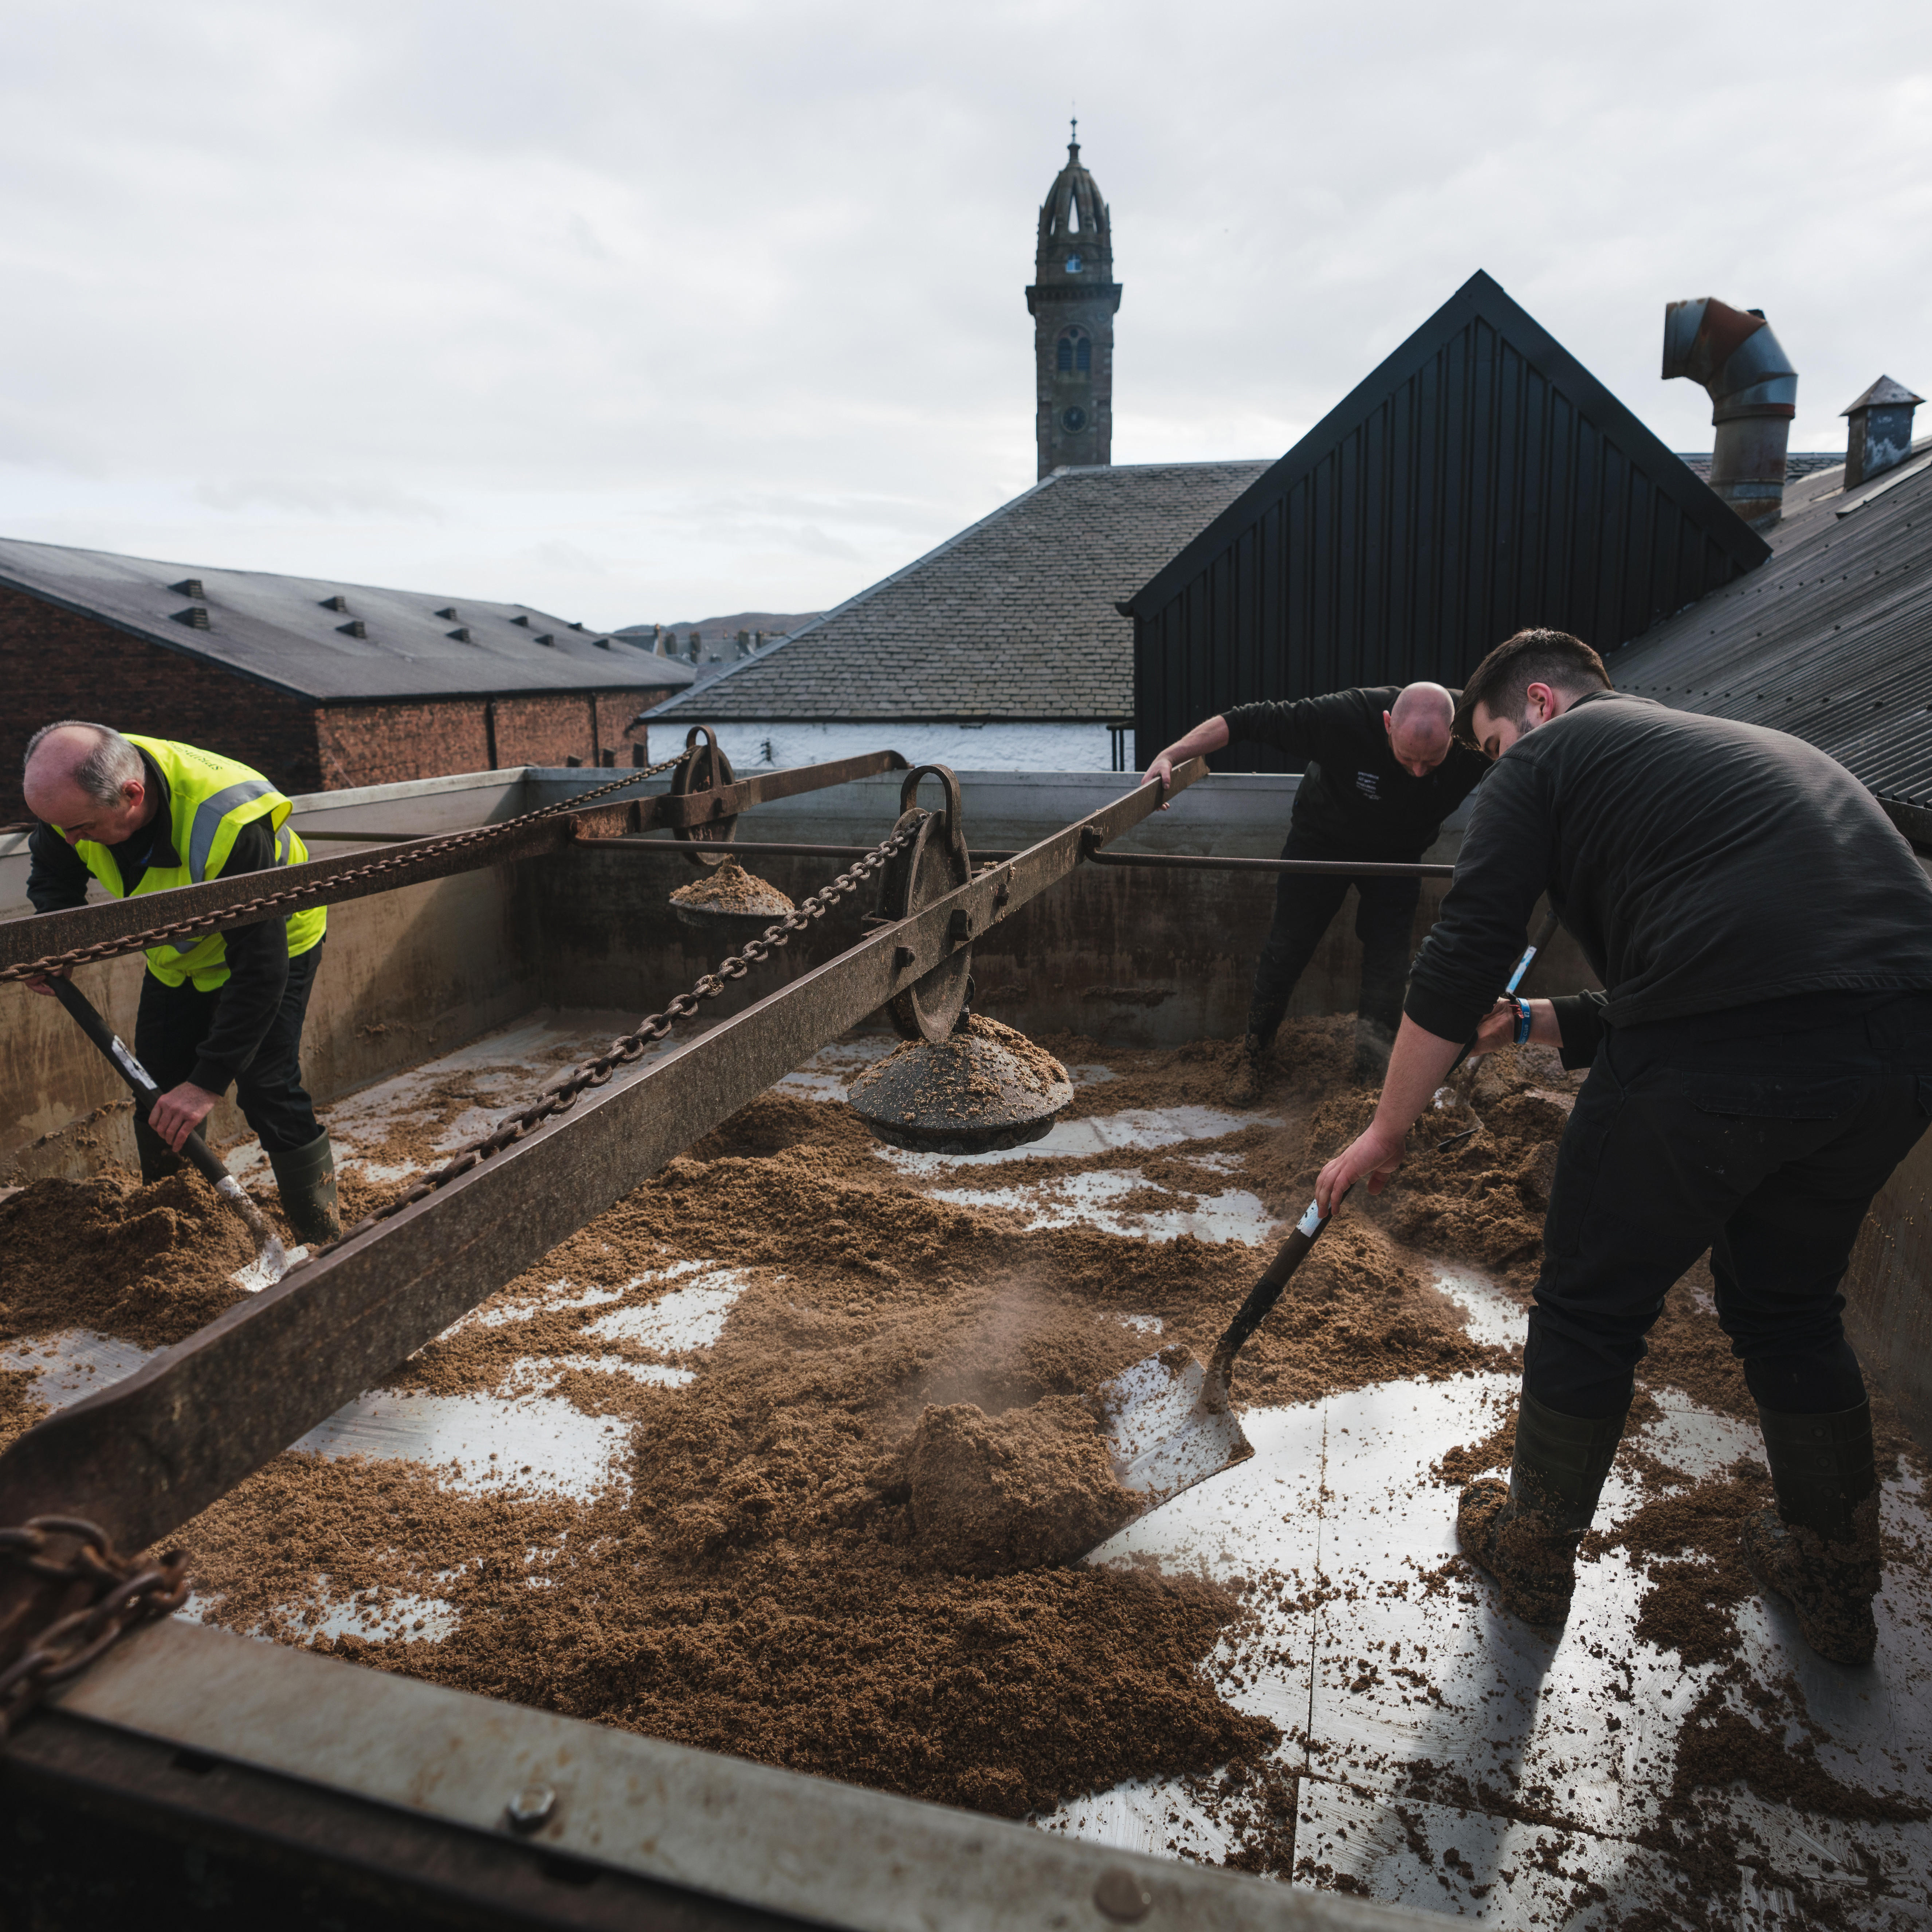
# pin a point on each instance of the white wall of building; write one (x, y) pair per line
(980, 748)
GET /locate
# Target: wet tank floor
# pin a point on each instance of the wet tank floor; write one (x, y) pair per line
(1363, 1643)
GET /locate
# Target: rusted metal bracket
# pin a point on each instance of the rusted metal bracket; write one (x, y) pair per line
(145, 1454)
(319, 881)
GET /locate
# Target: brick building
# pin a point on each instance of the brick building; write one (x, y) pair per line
(321, 685)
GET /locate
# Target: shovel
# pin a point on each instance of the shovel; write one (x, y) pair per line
(1167, 1420)
(272, 1260)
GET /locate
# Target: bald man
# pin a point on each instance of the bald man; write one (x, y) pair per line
(1382, 770)
(145, 815)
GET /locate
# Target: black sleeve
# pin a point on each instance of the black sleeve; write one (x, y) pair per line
(1301, 728)
(1580, 1015)
(57, 880)
(258, 974)
(1502, 871)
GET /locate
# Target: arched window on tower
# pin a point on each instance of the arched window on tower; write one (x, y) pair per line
(1073, 354)
(1072, 212)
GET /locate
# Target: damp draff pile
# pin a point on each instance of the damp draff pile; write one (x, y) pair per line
(788, 1455)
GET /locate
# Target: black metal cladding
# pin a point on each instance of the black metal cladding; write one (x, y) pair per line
(1480, 481)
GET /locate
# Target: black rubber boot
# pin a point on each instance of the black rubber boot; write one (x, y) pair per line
(158, 1160)
(1525, 1532)
(1819, 1549)
(307, 1178)
(1244, 1084)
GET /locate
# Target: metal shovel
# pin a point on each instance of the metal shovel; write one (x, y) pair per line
(271, 1260)
(1167, 1420)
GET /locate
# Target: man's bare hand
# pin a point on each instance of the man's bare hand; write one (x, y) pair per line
(179, 1111)
(42, 983)
(1373, 1158)
(1497, 1029)
(1161, 770)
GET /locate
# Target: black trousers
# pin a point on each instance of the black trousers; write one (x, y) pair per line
(1767, 1151)
(173, 1020)
(1304, 904)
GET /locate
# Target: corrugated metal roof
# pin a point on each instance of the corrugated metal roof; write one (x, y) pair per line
(1830, 640)
(1014, 619)
(284, 632)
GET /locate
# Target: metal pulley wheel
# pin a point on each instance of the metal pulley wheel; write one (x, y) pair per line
(728, 904)
(960, 1083)
(704, 769)
(934, 863)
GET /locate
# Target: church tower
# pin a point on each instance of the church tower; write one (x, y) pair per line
(1072, 301)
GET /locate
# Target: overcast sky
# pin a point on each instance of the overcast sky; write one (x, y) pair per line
(637, 311)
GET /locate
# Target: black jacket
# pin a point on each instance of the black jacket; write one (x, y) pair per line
(258, 955)
(1355, 801)
(1703, 865)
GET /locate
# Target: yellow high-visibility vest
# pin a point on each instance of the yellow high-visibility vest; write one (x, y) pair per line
(210, 798)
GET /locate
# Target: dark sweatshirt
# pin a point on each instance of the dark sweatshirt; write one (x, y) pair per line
(258, 955)
(1355, 801)
(1703, 866)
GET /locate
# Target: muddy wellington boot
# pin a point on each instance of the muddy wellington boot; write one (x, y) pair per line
(307, 1179)
(1244, 1084)
(1525, 1532)
(1819, 1549)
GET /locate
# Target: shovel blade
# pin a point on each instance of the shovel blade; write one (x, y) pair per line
(1161, 1433)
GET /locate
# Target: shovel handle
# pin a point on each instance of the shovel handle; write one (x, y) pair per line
(1266, 1292)
(1545, 933)
(146, 1089)
(1289, 1256)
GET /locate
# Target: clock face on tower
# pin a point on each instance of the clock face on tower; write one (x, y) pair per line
(1074, 264)
(1073, 421)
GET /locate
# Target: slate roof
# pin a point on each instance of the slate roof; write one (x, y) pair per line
(280, 630)
(1014, 619)
(1830, 640)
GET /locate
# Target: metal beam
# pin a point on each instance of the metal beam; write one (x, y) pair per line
(148, 1452)
(322, 881)
(712, 1827)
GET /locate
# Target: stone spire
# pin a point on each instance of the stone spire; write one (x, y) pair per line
(1072, 300)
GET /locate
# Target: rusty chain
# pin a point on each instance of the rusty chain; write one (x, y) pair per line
(563, 1094)
(125, 1591)
(404, 859)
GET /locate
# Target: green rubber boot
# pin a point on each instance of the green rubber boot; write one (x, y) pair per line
(1525, 1532)
(307, 1179)
(1819, 1549)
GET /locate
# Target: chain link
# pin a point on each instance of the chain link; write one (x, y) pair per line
(563, 1094)
(406, 859)
(123, 1591)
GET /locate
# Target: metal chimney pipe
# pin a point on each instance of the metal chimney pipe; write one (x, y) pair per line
(1753, 391)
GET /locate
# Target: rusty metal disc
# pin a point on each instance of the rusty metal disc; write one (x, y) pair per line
(703, 768)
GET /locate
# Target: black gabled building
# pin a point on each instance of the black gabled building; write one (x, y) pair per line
(1481, 480)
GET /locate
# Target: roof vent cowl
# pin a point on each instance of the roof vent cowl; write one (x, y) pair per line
(1880, 434)
(1753, 390)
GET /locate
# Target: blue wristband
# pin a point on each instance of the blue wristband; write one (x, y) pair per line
(1523, 1020)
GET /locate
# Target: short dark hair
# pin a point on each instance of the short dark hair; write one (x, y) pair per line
(1500, 682)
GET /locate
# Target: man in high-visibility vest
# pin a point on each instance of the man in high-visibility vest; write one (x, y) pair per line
(141, 814)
